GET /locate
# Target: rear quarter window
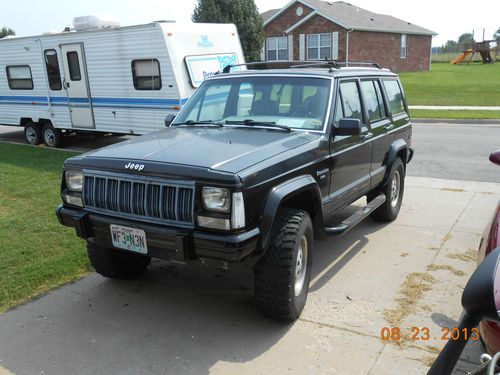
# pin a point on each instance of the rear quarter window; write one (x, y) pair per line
(394, 96)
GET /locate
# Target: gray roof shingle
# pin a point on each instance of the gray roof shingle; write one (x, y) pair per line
(353, 17)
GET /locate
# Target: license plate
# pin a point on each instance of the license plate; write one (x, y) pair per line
(129, 239)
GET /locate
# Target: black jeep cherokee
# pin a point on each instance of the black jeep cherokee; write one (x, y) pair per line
(249, 171)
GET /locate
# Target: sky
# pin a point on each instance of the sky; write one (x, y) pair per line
(448, 18)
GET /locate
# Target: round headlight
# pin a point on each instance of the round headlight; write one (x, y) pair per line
(74, 180)
(216, 199)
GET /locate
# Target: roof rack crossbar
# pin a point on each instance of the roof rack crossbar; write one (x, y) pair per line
(333, 64)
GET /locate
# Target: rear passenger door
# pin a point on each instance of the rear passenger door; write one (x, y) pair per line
(380, 126)
(397, 108)
(350, 155)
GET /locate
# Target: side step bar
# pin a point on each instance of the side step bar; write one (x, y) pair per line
(357, 217)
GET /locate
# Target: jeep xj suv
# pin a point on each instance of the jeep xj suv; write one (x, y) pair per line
(249, 171)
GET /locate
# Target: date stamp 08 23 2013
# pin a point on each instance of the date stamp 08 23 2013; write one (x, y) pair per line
(424, 334)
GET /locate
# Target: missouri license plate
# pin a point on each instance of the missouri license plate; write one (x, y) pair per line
(129, 239)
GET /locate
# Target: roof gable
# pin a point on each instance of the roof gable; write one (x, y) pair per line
(352, 17)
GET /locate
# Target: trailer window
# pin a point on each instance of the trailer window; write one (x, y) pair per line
(19, 77)
(146, 74)
(52, 66)
(74, 66)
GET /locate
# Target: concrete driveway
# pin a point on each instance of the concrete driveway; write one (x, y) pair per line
(174, 320)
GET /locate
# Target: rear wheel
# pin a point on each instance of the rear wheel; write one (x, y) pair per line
(393, 191)
(52, 137)
(116, 264)
(32, 133)
(282, 275)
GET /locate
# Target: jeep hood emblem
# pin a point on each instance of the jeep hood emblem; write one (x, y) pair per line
(134, 166)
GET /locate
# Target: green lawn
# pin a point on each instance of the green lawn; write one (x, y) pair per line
(36, 252)
(447, 84)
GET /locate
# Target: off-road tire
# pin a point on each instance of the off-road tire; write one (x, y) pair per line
(116, 264)
(51, 136)
(32, 133)
(275, 273)
(390, 209)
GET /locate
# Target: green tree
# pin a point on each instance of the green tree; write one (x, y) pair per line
(243, 13)
(496, 36)
(450, 46)
(5, 31)
(466, 41)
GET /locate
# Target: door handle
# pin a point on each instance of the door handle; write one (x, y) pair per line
(389, 127)
(66, 84)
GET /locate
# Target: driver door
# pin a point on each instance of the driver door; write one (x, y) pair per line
(350, 156)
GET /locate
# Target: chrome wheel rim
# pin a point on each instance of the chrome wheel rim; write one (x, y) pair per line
(49, 137)
(301, 266)
(31, 135)
(395, 188)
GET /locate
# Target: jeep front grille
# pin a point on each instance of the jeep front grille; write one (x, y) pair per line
(140, 198)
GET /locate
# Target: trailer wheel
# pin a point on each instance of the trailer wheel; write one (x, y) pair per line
(52, 137)
(32, 133)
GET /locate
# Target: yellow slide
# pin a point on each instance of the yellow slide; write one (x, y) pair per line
(462, 56)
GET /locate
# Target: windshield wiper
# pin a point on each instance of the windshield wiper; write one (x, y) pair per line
(251, 122)
(196, 123)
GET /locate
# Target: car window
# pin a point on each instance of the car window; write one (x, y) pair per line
(395, 96)
(212, 105)
(297, 102)
(373, 100)
(351, 103)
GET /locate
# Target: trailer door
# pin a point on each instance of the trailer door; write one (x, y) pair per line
(77, 86)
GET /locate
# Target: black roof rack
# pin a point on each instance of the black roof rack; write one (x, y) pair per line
(332, 64)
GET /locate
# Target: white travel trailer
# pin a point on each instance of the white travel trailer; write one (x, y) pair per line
(111, 80)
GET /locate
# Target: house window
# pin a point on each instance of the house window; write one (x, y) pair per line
(52, 66)
(277, 48)
(319, 46)
(404, 49)
(146, 74)
(19, 77)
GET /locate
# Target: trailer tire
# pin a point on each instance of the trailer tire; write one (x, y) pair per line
(32, 133)
(52, 137)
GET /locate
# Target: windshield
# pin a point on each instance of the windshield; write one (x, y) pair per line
(296, 102)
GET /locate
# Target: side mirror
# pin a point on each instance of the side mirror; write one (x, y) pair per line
(481, 296)
(349, 126)
(169, 119)
(495, 157)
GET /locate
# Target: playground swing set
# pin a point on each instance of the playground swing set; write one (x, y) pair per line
(482, 48)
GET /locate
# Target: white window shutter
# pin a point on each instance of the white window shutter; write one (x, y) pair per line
(290, 47)
(302, 47)
(335, 45)
(263, 53)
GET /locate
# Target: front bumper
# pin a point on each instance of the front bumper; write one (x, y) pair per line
(163, 242)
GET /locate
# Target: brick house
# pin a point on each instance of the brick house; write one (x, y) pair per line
(315, 29)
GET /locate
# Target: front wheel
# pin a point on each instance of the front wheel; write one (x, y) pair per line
(282, 275)
(52, 137)
(393, 191)
(116, 264)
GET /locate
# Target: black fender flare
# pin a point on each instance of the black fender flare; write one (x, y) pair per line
(283, 191)
(394, 150)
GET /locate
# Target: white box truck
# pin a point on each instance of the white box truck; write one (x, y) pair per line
(108, 79)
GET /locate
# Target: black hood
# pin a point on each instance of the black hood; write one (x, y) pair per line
(228, 149)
